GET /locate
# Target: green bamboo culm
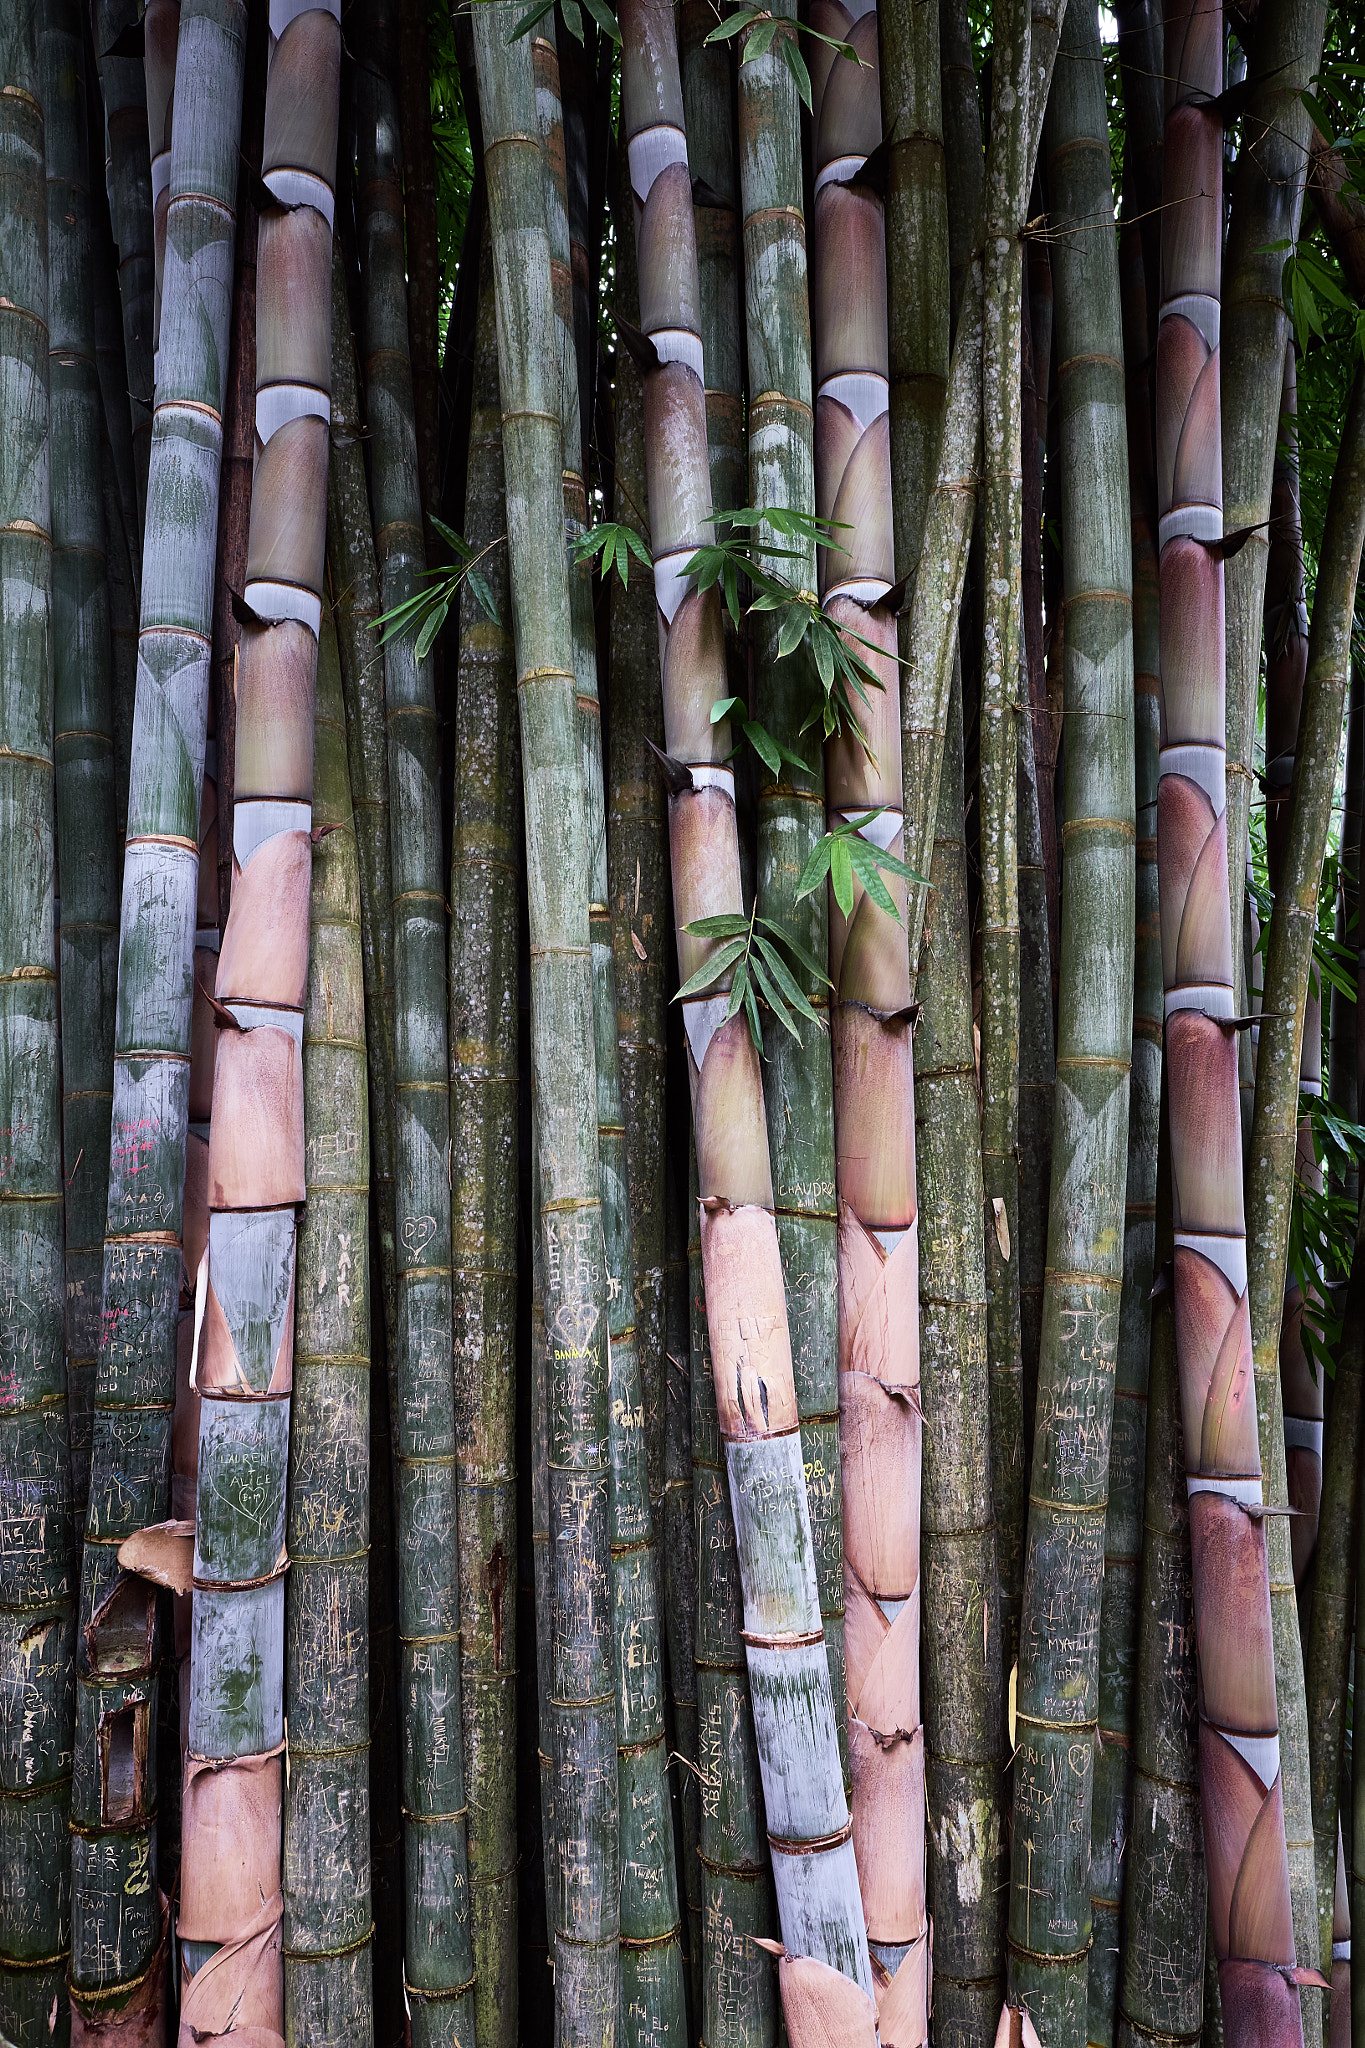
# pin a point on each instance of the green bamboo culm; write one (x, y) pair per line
(1058, 1693)
(354, 575)
(579, 1731)
(1120, 1692)
(652, 1994)
(38, 1574)
(116, 1917)
(440, 1963)
(483, 1121)
(825, 1960)
(87, 850)
(964, 1716)
(327, 1922)
(1275, 1120)
(128, 175)
(708, 89)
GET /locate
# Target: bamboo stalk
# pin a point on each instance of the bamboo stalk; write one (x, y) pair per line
(354, 575)
(1006, 195)
(123, 612)
(129, 179)
(1161, 1987)
(231, 1909)
(1266, 202)
(708, 90)
(117, 1931)
(1239, 1746)
(484, 962)
(439, 1967)
(814, 1869)
(961, 141)
(1120, 1698)
(160, 35)
(583, 1891)
(328, 1932)
(83, 757)
(1059, 1676)
(678, 1527)
(1275, 1138)
(1037, 1040)
(38, 1571)
(652, 1995)
(1344, 1021)
(964, 1717)
(110, 358)
(418, 158)
(880, 1433)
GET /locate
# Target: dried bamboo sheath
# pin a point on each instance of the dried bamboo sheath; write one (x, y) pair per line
(231, 1902)
(813, 1861)
(37, 1562)
(439, 1958)
(880, 1424)
(1239, 1747)
(117, 1920)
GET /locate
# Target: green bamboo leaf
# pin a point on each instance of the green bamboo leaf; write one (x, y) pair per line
(796, 64)
(738, 989)
(760, 42)
(816, 867)
(751, 1011)
(453, 540)
(733, 24)
(841, 874)
(724, 707)
(483, 591)
(426, 639)
(867, 869)
(763, 745)
(604, 18)
(711, 970)
(824, 656)
(529, 20)
(793, 945)
(727, 924)
(573, 18)
(783, 976)
(774, 1001)
(793, 631)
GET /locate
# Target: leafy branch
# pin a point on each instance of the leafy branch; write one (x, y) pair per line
(1322, 1229)
(764, 29)
(751, 953)
(844, 853)
(573, 19)
(426, 611)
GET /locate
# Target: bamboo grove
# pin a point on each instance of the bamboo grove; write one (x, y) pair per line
(682, 1023)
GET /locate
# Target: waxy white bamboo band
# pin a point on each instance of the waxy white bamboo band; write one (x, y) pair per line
(671, 584)
(841, 171)
(1209, 998)
(713, 775)
(889, 1239)
(278, 404)
(251, 1016)
(1200, 310)
(1199, 522)
(652, 151)
(865, 392)
(1248, 1493)
(161, 175)
(301, 188)
(1341, 1951)
(868, 590)
(1261, 1752)
(256, 819)
(276, 601)
(702, 1019)
(1303, 1433)
(1229, 1254)
(878, 829)
(282, 12)
(1204, 765)
(676, 345)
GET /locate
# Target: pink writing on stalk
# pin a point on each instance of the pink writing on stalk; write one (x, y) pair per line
(131, 1154)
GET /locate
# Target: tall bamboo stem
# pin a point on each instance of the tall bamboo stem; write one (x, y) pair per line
(87, 852)
(1058, 1694)
(328, 1934)
(439, 1971)
(814, 1868)
(583, 1892)
(117, 1920)
(1275, 1122)
(484, 959)
(38, 1571)
(129, 179)
(1239, 1747)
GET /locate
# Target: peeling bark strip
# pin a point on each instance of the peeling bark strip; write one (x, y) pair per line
(880, 1440)
(578, 1729)
(1239, 1745)
(117, 1921)
(37, 1565)
(231, 1902)
(1059, 1675)
(653, 2003)
(813, 1860)
(439, 1971)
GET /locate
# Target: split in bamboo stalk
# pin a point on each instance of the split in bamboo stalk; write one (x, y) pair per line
(578, 1731)
(230, 1921)
(1059, 1676)
(439, 1973)
(326, 1864)
(484, 945)
(1239, 1745)
(117, 1961)
(814, 1868)
(38, 1551)
(872, 1026)
(87, 852)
